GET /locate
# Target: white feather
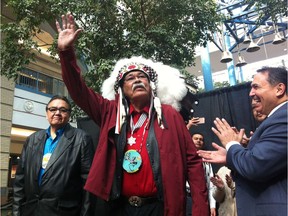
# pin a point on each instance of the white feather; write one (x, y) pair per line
(171, 87)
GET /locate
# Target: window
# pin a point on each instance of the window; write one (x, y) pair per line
(58, 87)
(45, 84)
(38, 82)
(28, 79)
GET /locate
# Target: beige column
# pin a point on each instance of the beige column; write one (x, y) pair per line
(7, 97)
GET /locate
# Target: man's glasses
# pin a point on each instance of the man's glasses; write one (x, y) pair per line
(61, 109)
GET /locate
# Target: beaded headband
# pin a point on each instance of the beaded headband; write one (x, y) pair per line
(134, 66)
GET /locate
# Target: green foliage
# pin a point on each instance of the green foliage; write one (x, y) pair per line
(16, 52)
(271, 8)
(164, 30)
(223, 84)
(76, 112)
(190, 79)
(216, 85)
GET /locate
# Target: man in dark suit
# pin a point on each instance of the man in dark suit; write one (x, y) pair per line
(260, 170)
(53, 167)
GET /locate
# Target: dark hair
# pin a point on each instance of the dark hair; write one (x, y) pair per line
(199, 134)
(59, 97)
(275, 75)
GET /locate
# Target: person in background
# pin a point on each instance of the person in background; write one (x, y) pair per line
(224, 192)
(259, 117)
(145, 153)
(53, 167)
(198, 140)
(260, 170)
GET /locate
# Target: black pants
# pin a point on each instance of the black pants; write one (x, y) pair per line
(189, 206)
(123, 208)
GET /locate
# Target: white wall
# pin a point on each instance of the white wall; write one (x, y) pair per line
(29, 109)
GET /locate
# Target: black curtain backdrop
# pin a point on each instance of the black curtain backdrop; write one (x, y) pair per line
(99, 207)
(232, 103)
(90, 127)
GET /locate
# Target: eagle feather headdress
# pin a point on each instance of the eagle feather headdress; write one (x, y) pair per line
(166, 82)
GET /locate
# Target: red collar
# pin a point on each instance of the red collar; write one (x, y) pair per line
(132, 109)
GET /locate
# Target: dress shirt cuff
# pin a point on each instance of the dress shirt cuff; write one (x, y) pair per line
(229, 144)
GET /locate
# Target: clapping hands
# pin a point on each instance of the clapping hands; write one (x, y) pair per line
(217, 181)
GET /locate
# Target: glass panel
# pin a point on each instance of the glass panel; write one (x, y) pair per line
(45, 84)
(58, 87)
(40, 82)
(28, 78)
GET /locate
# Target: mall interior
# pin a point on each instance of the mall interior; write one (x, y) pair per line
(242, 47)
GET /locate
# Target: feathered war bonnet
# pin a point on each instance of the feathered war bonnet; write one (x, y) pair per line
(167, 86)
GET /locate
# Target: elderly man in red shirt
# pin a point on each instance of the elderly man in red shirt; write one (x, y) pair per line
(145, 153)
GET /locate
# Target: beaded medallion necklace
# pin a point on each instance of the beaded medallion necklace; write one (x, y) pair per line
(132, 158)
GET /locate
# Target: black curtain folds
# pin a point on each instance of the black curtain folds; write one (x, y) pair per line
(88, 125)
(231, 103)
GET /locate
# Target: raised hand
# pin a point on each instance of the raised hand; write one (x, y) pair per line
(231, 184)
(218, 182)
(193, 122)
(229, 181)
(67, 32)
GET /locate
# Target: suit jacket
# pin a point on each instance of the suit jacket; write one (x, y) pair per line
(61, 191)
(260, 171)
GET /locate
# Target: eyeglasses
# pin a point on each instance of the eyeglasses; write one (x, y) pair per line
(61, 109)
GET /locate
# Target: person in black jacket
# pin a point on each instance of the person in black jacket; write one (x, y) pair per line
(53, 167)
